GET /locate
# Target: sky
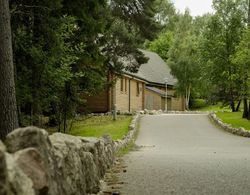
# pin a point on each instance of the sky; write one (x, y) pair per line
(197, 7)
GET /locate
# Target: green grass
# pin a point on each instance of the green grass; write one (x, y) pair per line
(225, 114)
(98, 126)
(131, 146)
(217, 107)
(235, 119)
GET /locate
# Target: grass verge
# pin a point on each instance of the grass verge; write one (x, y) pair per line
(224, 113)
(131, 146)
(235, 119)
(97, 126)
(217, 107)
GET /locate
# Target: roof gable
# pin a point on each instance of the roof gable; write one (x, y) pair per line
(155, 70)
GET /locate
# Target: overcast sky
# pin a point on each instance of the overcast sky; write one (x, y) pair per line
(197, 7)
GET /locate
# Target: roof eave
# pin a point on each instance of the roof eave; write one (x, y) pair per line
(137, 77)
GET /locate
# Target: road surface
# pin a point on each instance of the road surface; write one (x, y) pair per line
(186, 154)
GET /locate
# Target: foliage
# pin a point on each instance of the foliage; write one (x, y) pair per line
(242, 55)
(198, 103)
(222, 35)
(62, 48)
(183, 57)
(138, 13)
(242, 61)
(208, 54)
(179, 47)
(166, 14)
(162, 44)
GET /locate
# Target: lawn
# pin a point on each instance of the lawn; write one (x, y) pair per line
(97, 126)
(235, 119)
(217, 107)
(225, 114)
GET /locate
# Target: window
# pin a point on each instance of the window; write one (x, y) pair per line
(126, 87)
(121, 84)
(137, 88)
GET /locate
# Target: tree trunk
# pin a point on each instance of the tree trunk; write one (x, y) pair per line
(248, 116)
(188, 92)
(232, 106)
(8, 109)
(238, 106)
(245, 111)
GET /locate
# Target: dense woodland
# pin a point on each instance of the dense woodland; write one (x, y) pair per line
(61, 48)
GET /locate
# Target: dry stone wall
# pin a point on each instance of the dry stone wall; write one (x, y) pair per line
(34, 163)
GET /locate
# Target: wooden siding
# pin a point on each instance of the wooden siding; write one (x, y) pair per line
(152, 100)
(163, 104)
(178, 104)
(98, 103)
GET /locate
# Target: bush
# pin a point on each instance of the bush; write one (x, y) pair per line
(198, 103)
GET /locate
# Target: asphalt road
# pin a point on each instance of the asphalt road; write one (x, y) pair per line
(186, 154)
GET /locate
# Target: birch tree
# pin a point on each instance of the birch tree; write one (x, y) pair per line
(183, 57)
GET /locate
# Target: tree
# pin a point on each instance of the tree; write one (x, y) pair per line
(166, 14)
(241, 59)
(222, 35)
(162, 44)
(8, 113)
(62, 48)
(183, 57)
(56, 54)
(139, 13)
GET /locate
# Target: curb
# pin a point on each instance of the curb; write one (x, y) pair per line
(127, 138)
(157, 112)
(227, 127)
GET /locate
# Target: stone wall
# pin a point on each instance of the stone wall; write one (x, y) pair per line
(34, 163)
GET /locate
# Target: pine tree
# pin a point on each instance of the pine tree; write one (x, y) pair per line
(8, 112)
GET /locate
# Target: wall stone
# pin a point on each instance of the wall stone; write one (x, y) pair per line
(17, 181)
(31, 163)
(34, 163)
(32, 137)
(3, 170)
(157, 112)
(76, 165)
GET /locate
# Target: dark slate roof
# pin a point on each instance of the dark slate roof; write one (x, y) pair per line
(155, 70)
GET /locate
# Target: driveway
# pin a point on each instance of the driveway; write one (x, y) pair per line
(186, 154)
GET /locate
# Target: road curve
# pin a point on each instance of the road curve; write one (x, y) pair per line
(186, 154)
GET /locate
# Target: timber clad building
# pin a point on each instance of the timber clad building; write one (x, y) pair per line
(145, 89)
